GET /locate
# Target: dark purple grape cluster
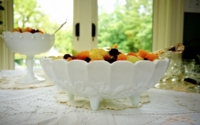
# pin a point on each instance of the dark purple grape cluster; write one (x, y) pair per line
(87, 59)
(66, 56)
(113, 53)
(35, 31)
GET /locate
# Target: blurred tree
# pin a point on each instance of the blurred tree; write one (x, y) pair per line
(64, 40)
(129, 25)
(26, 14)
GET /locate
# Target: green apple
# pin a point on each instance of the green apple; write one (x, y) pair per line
(74, 52)
(132, 59)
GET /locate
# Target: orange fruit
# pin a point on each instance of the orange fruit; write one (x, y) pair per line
(40, 31)
(82, 55)
(27, 29)
(143, 53)
(18, 30)
(122, 57)
(151, 56)
(132, 54)
(69, 59)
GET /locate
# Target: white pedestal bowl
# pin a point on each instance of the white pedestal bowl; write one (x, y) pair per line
(28, 44)
(100, 79)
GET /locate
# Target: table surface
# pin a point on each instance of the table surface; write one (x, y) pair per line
(38, 107)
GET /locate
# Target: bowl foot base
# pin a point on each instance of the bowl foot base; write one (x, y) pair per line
(70, 96)
(94, 102)
(135, 99)
(30, 80)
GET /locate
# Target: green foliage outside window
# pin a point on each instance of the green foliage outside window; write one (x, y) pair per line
(130, 26)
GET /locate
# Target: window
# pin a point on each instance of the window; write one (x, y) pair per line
(166, 13)
(112, 15)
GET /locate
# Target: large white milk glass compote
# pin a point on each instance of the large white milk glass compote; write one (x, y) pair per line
(28, 44)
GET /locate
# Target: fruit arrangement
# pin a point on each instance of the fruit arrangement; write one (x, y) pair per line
(105, 73)
(27, 29)
(111, 55)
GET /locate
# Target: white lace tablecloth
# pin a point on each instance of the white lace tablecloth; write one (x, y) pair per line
(39, 107)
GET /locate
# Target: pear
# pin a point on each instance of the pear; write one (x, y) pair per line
(132, 59)
(74, 52)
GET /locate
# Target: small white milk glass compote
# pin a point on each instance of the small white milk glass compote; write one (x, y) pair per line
(28, 44)
(196, 76)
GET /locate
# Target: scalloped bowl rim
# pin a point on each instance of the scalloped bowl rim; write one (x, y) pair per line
(28, 43)
(25, 33)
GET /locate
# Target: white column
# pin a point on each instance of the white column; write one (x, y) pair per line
(85, 13)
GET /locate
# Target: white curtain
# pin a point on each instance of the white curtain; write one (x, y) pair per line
(168, 16)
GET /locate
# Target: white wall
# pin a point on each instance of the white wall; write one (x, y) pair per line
(192, 6)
